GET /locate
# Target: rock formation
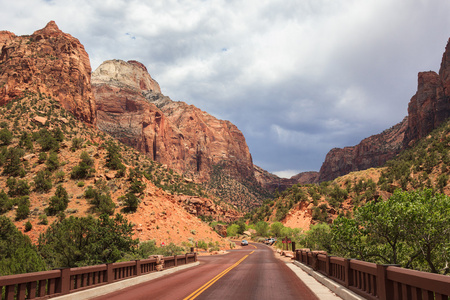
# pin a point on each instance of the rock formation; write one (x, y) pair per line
(48, 62)
(371, 152)
(131, 108)
(430, 106)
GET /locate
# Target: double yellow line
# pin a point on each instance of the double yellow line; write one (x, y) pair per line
(196, 293)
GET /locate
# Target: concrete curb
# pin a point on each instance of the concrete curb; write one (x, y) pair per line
(335, 287)
(112, 287)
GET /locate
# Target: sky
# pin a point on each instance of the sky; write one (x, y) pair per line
(297, 77)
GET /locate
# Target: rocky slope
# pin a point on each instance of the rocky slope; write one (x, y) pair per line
(47, 62)
(131, 108)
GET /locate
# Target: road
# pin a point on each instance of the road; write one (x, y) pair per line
(249, 273)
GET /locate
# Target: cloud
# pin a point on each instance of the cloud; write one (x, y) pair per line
(297, 77)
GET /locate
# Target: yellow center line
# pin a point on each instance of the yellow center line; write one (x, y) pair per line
(200, 290)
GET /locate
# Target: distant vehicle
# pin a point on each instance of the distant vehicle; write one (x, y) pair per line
(244, 243)
(270, 241)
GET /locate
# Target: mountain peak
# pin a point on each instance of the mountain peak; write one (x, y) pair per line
(50, 29)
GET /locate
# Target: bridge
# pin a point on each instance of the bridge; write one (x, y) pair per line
(252, 272)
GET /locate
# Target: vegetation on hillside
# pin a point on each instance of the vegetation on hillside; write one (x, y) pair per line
(50, 165)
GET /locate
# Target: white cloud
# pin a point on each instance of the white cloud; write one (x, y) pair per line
(297, 77)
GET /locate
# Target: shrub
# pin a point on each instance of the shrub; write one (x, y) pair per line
(46, 140)
(23, 209)
(101, 201)
(28, 226)
(13, 163)
(52, 161)
(5, 136)
(17, 187)
(43, 219)
(42, 181)
(85, 167)
(131, 202)
(58, 202)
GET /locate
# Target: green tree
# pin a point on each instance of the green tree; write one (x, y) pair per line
(261, 228)
(58, 202)
(5, 137)
(42, 181)
(17, 254)
(100, 200)
(46, 140)
(17, 187)
(318, 237)
(52, 161)
(131, 202)
(276, 228)
(232, 230)
(23, 208)
(13, 163)
(410, 229)
(87, 241)
(85, 168)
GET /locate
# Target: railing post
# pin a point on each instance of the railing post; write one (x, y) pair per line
(347, 273)
(109, 273)
(195, 256)
(175, 260)
(385, 288)
(328, 265)
(138, 268)
(185, 258)
(64, 281)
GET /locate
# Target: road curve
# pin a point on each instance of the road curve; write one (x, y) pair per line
(249, 273)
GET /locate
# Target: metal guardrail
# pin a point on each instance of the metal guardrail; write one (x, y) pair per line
(47, 284)
(373, 281)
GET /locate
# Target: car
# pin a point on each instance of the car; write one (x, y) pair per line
(244, 243)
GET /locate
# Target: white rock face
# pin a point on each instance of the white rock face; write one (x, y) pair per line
(131, 73)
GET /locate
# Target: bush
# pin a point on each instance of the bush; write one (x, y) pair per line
(23, 209)
(131, 202)
(13, 163)
(46, 140)
(5, 137)
(58, 202)
(17, 254)
(87, 241)
(28, 226)
(43, 219)
(100, 200)
(52, 162)
(17, 187)
(77, 143)
(85, 167)
(42, 181)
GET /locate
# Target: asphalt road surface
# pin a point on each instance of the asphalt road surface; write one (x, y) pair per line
(249, 273)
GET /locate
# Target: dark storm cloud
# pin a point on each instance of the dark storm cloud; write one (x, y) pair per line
(297, 77)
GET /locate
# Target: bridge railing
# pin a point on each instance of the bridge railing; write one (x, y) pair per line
(43, 285)
(373, 281)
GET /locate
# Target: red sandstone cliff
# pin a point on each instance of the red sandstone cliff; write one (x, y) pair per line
(371, 152)
(131, 108)
(430, 106)
(48, 62)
